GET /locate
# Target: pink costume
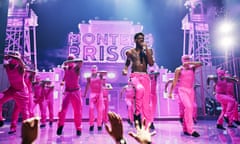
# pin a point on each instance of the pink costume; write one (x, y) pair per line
(95, 98)
(72, 94)
(186, 96)
(106, 88)
(39, 99)
(227, 101)
(17, 91)
(129, 99)
(47, 92)
(141, 82)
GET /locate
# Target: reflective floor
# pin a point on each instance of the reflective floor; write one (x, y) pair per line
(168, 132)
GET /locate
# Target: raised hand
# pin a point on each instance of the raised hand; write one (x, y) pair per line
(116, 129)
(143, 135)
(29, 130)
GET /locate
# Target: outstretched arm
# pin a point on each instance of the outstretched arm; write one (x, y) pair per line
(166, 85)
(127, 63)
(175, 80)
(211, 78)
(194, 64)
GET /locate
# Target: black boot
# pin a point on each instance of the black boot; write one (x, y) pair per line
(91, 128)
(152, 127)
(219, 126)
(1, 123)
(59, 130)
(138, 118)
(79, 133)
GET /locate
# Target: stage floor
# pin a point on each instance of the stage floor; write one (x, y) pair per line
(168, 132)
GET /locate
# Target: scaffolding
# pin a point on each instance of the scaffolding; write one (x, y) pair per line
(21, 33)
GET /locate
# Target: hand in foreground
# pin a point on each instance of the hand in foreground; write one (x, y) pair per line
(116, 130)
(29, 130)
(143, 135)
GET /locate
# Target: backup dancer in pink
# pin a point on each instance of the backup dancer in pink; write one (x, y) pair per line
(153, 77)
(140, 57)
(39, 99)
(17, 91)
(95, 84)
(72, 94)
(129, 91)
(106, 88)
(47, 92)
(230, 91)
(184, 77)
(227, 101)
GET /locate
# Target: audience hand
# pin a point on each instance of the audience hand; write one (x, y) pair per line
(29, 130)
(116, 130)
(143, 135)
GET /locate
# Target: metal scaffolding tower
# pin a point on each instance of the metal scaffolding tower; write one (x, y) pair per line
(196, 33)
(21, 33)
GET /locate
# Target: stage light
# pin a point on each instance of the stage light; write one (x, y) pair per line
(224, 35)
(86, 74)
(111, 75)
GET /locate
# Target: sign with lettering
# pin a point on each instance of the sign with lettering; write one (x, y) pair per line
(105, 41)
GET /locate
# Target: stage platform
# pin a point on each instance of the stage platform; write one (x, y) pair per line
(168, 132)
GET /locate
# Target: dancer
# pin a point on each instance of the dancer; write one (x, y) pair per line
(95, 83)
(47, 92)
(140, 57)
(39, 99)
(17, 91)
(153, 77)
(184, 77)
(72, 94)
(129, 91)
(226, 101)
(230, 91)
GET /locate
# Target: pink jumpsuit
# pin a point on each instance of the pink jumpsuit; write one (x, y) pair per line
(17, 91)
(186, 96)
(141, 82)
(226, 101)
(40, 99)
(48, 94)
(28, 78)
(72, 94)
(96, 99)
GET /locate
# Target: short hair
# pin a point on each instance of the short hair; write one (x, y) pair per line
(138, 34)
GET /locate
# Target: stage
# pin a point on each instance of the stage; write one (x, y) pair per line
(168, 132)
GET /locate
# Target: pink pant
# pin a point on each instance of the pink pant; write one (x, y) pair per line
(186, 96)
(21, 104)
(76, 100)
(227, 103)
(129, 102)
(105, 110)
(154, 103)
(96, 100)
(141, 82)
(43, 111)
